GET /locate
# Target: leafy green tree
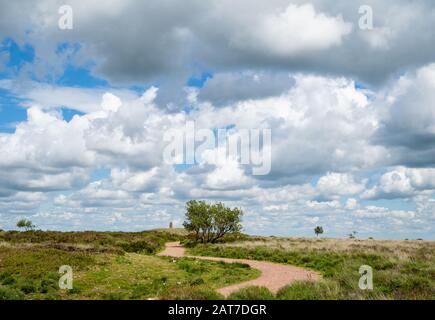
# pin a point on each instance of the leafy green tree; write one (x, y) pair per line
(197, 218)
(21, 223)
(210, 222)
(26, 224)
(318, 230)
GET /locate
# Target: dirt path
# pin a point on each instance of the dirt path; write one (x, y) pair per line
(273, 276)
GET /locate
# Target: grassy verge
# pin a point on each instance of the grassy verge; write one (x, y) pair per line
(401, 270)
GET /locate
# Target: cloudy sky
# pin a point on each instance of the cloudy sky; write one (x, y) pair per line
(83, 112)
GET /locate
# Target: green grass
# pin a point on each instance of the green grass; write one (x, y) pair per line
(147, 242)
(252, 293)
(136, 276)
(118, 265)
(398, 273)
(31, 272)
(323, 290)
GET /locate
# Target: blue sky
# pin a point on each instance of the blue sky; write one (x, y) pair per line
(84, 112)
(11, 111)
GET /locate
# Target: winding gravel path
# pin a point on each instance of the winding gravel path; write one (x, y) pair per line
(273, 275)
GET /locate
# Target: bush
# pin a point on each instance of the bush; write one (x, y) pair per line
(7, 293)
(27, 286)
(145, 289)
(196, 281)
(300, 291)
(189, 242)
(48, 285)
(196, 267)
(190, 293)
(142, 242)
(139, 246)
(6, 278)
(252, 293)
(141, 290)
(114, 296)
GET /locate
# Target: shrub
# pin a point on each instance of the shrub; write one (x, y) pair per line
(143, 242)
(139, 246)
(48, 285)
(300, 291)
(27, 286)
(191, 267)
(7, 293)
(114, 296)
(141, 290)
(190, 293)
(196, 281)
(6, 278)
(252, 293)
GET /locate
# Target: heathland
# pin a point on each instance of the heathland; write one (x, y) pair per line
(124, 265)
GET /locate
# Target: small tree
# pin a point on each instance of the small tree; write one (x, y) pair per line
(210, 222)
(318, 230)
(352, 235)
(171, 225)
(26, 224)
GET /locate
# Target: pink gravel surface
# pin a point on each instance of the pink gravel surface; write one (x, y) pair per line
(273, 275)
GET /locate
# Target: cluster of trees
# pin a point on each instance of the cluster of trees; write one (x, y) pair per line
(352, 235)
(25, 224)
(210, 222)
(318, 230)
